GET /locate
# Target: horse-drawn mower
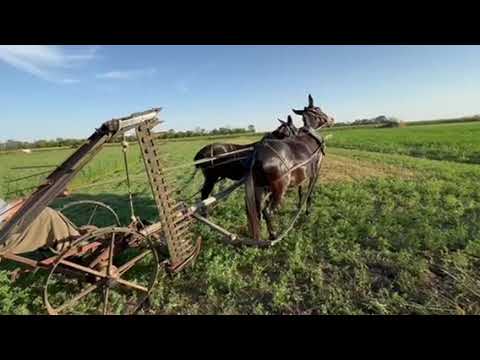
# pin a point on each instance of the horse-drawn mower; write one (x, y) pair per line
(120, 264)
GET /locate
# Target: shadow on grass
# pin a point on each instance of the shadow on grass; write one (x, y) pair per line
(144, 206)
(33, 282)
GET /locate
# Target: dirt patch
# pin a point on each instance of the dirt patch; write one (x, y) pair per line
(340, 168)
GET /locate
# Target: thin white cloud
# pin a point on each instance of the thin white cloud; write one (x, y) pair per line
(127, 74)
(70, 81)
(47, 62)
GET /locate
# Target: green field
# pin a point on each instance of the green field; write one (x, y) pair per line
(455, 142)
(395, 229)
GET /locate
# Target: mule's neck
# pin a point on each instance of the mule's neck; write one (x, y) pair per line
(311, 136)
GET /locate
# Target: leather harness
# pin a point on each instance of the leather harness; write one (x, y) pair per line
(317, 137)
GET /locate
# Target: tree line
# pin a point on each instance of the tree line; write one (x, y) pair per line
(379, 121)
(171, 134)
(74, 143)
(59, 142)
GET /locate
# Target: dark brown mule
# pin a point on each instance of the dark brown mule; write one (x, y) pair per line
(228, 167)
(280, 164)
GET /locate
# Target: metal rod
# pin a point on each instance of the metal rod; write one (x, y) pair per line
(215, 198)
(198, 162)
(127, 266)
(82, 268)
(28, 177)
(110, 255)
(34, 167)
(231, 238)
(130, 196)
(106, 182)
(130, 284)
(216, 227)
(73, 301)
(106, 292)
(22, 190)
(20, 259)
(228, 161)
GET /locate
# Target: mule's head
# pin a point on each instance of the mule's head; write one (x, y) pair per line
(285, 130)
(313, 116)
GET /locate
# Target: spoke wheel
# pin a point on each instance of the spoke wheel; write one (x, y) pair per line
(90, 213)
(103, 272)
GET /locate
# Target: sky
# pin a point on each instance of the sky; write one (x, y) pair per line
(51, 91)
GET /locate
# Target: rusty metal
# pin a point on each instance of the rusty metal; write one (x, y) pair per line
(21, 260)
(172, 227)
(180, 249)
(103, 278)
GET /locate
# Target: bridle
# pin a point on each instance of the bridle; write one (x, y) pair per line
(318, 138)
(318, 115)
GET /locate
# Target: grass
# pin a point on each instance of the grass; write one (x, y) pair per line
(390, 233)
(454, 142)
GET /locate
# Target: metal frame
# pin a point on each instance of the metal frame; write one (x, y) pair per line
(172, 227)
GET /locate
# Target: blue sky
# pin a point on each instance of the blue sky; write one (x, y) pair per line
(66, 91)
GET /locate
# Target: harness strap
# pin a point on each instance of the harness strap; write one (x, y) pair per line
(315, 153)
(276, 153)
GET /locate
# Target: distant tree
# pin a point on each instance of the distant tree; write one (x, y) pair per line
(251, 128)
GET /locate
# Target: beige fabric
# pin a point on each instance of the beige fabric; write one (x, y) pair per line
(50, 228)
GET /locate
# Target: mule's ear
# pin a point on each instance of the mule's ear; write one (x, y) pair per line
(298, 112)
(310, 101)
(289, 120)
(281, 121)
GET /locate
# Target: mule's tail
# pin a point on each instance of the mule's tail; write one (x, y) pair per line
(251, 200)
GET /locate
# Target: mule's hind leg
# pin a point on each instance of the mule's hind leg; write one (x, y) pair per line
(278, 190)
(267, 215)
